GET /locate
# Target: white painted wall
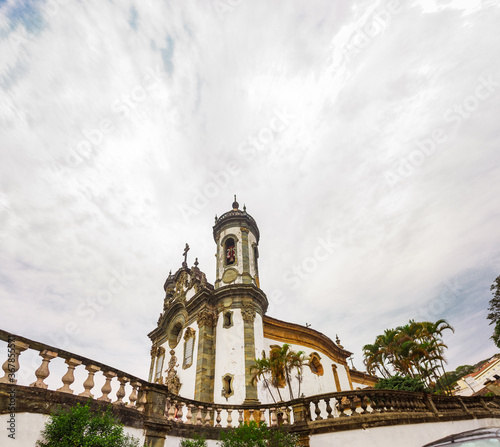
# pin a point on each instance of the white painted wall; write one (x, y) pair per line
(29, 426)
(230, 358)
(312, 383)
(415, 435)
(187, 376)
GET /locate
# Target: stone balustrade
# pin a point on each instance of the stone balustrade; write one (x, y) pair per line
(17, 345)
(152, 407)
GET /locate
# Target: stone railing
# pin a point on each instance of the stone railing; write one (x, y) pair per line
(17, 345)
(151, 406)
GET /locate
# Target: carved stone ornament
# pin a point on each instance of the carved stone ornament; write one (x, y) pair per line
(172, 380)
(190, 333)
(154, 350)
(248, 313)
(207, 318)
(180, 286)
(161, 351)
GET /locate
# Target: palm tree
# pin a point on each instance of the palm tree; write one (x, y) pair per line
(415, 349)
(260, 370)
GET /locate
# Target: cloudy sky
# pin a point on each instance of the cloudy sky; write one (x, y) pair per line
(362, 136)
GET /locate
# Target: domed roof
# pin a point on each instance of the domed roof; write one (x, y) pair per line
(236, 217)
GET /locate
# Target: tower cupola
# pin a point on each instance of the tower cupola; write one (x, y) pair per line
(237, 237)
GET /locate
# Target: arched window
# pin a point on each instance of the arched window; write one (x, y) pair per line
(230, 249)
(227, 386)
(315, 364)
(227, 320)
(188, 348)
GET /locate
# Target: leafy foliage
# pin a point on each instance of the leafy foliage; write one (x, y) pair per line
(197, 441)
(80, 427)
(494, 308)
(415, 350)
(398, 382)
(253, 435)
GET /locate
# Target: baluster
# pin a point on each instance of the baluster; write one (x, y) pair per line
(11, 365)
(208, 420)
(328, 408)
(89, 383)
(69, 377)
(364, 403)
(229, 417)
(43, 372)
(167, 407)
(179, 412)
(353, 406)
(317, 411)
(133, 395)
(218, 418)
(285, 416)
(262, 415)
(273, 417)
(106, 388)
(142, 401)
(120, 394)
(189, 414)
(240, 417)
(199, 416)
(341, 403)
(251, 418)
(388, 402)
(171, 410)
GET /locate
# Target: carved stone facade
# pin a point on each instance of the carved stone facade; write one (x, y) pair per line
(172, 380)
(207, 318)
(248, 313)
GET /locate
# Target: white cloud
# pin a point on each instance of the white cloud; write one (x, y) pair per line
(113, 120)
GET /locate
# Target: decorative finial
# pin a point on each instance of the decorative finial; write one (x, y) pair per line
(244, 208)
(186, 249)
(170, 272)
(236, 205)
(338, 341)
(196, 263)
(216, 218)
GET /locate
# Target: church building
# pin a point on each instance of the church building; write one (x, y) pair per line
(208, 336)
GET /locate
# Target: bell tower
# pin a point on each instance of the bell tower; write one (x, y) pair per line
(240, 306)
(237, 237)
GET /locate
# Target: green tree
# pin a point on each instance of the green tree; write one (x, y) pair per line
(415, 350)
(494, 309)
(83, 428)
(197, 441)
(254, 435)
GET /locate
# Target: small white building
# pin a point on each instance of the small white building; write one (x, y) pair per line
(475, 381)
(208, 336)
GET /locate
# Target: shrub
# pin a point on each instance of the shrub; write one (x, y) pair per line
(404, 383)
(197, 441)
(81, 427)
(253, 435)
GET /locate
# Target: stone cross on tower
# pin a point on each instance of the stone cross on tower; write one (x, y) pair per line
(186, 249)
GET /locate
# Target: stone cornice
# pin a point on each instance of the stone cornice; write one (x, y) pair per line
(362, 378)
(236, 218)
(243, 291)
(300, 335)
